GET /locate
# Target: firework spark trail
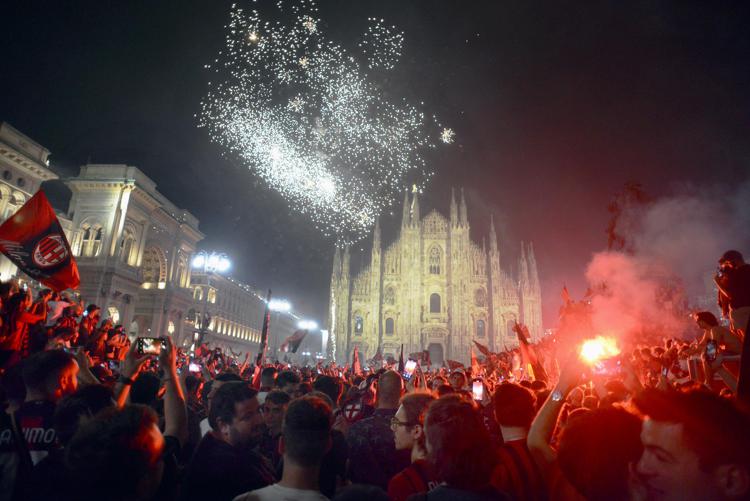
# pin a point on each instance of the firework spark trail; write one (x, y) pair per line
(306, 116)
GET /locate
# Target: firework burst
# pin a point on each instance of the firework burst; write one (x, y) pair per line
(304, 114)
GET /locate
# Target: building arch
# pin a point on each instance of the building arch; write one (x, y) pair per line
(154, 267)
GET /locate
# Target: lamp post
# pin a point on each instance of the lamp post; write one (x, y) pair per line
(207, 262)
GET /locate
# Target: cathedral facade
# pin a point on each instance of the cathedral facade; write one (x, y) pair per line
(432, 289)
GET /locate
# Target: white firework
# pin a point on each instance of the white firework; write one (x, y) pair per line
(303, 114)
(447, 136)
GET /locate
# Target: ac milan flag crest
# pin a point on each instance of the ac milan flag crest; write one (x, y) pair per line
(33, 240)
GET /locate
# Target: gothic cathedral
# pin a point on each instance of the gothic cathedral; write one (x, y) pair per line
(432, 289)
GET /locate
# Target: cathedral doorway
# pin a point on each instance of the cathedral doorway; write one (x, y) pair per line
(436, 354)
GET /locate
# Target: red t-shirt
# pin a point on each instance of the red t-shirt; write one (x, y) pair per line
(517, 474)
(417, 478)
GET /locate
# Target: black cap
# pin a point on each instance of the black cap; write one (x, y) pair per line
(92, 308)
(731, 255)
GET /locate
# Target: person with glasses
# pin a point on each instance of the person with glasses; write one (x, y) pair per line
(408, 434)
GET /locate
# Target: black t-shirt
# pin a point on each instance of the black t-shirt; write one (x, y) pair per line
(35, 419)
(220, 471)
(738, 286)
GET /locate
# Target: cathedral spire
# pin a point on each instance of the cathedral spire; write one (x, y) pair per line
(345, 262)
(493, 235)
(405, 217)
(376, 234)
(533, 273)
(523, 268)
(336, 263)
(462, 210)
(454, 208)
(415, 207)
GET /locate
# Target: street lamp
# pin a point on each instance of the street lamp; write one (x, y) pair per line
(208, 263)
(309, 325)
(279, 305)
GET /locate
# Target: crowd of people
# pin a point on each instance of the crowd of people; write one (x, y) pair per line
(89, 415)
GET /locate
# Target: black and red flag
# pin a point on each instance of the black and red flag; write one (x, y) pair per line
(34, 240)
(292, 342)
(264, 333)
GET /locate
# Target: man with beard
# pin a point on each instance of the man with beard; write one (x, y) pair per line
(225, 464)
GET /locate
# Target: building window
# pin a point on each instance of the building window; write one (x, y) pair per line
(126, 246)
(480, 297)
(92, 241)
(359, 325)
(388, 326)
(212, 296)
(480, 328)
(390, 296)
(434, 303)
(198, 294)
(154, 266)
(434, 259)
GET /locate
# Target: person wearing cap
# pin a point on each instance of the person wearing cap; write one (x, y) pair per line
(733, 281)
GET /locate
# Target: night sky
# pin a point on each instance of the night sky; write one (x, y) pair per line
(556, 105)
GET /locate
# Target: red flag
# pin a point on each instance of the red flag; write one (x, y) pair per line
(453, 365)
(483, 349)
(528, 353)
(34, 240)
(356, 364)
(474, 364)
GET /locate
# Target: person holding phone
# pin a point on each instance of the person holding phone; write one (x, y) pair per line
(717, 341)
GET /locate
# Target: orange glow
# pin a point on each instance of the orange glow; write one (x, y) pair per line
(599, 348)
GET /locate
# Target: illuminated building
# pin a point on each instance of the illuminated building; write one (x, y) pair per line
(432, 289)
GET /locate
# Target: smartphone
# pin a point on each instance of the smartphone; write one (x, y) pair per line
(149, 345)
(477, 389)
(409, 369)
(24, 287)
(711, 350)
(665, 371)
(113, 365)
(608, 367)
(193, 367)
(85, 313)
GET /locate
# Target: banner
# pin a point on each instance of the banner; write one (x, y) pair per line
(33, 240)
